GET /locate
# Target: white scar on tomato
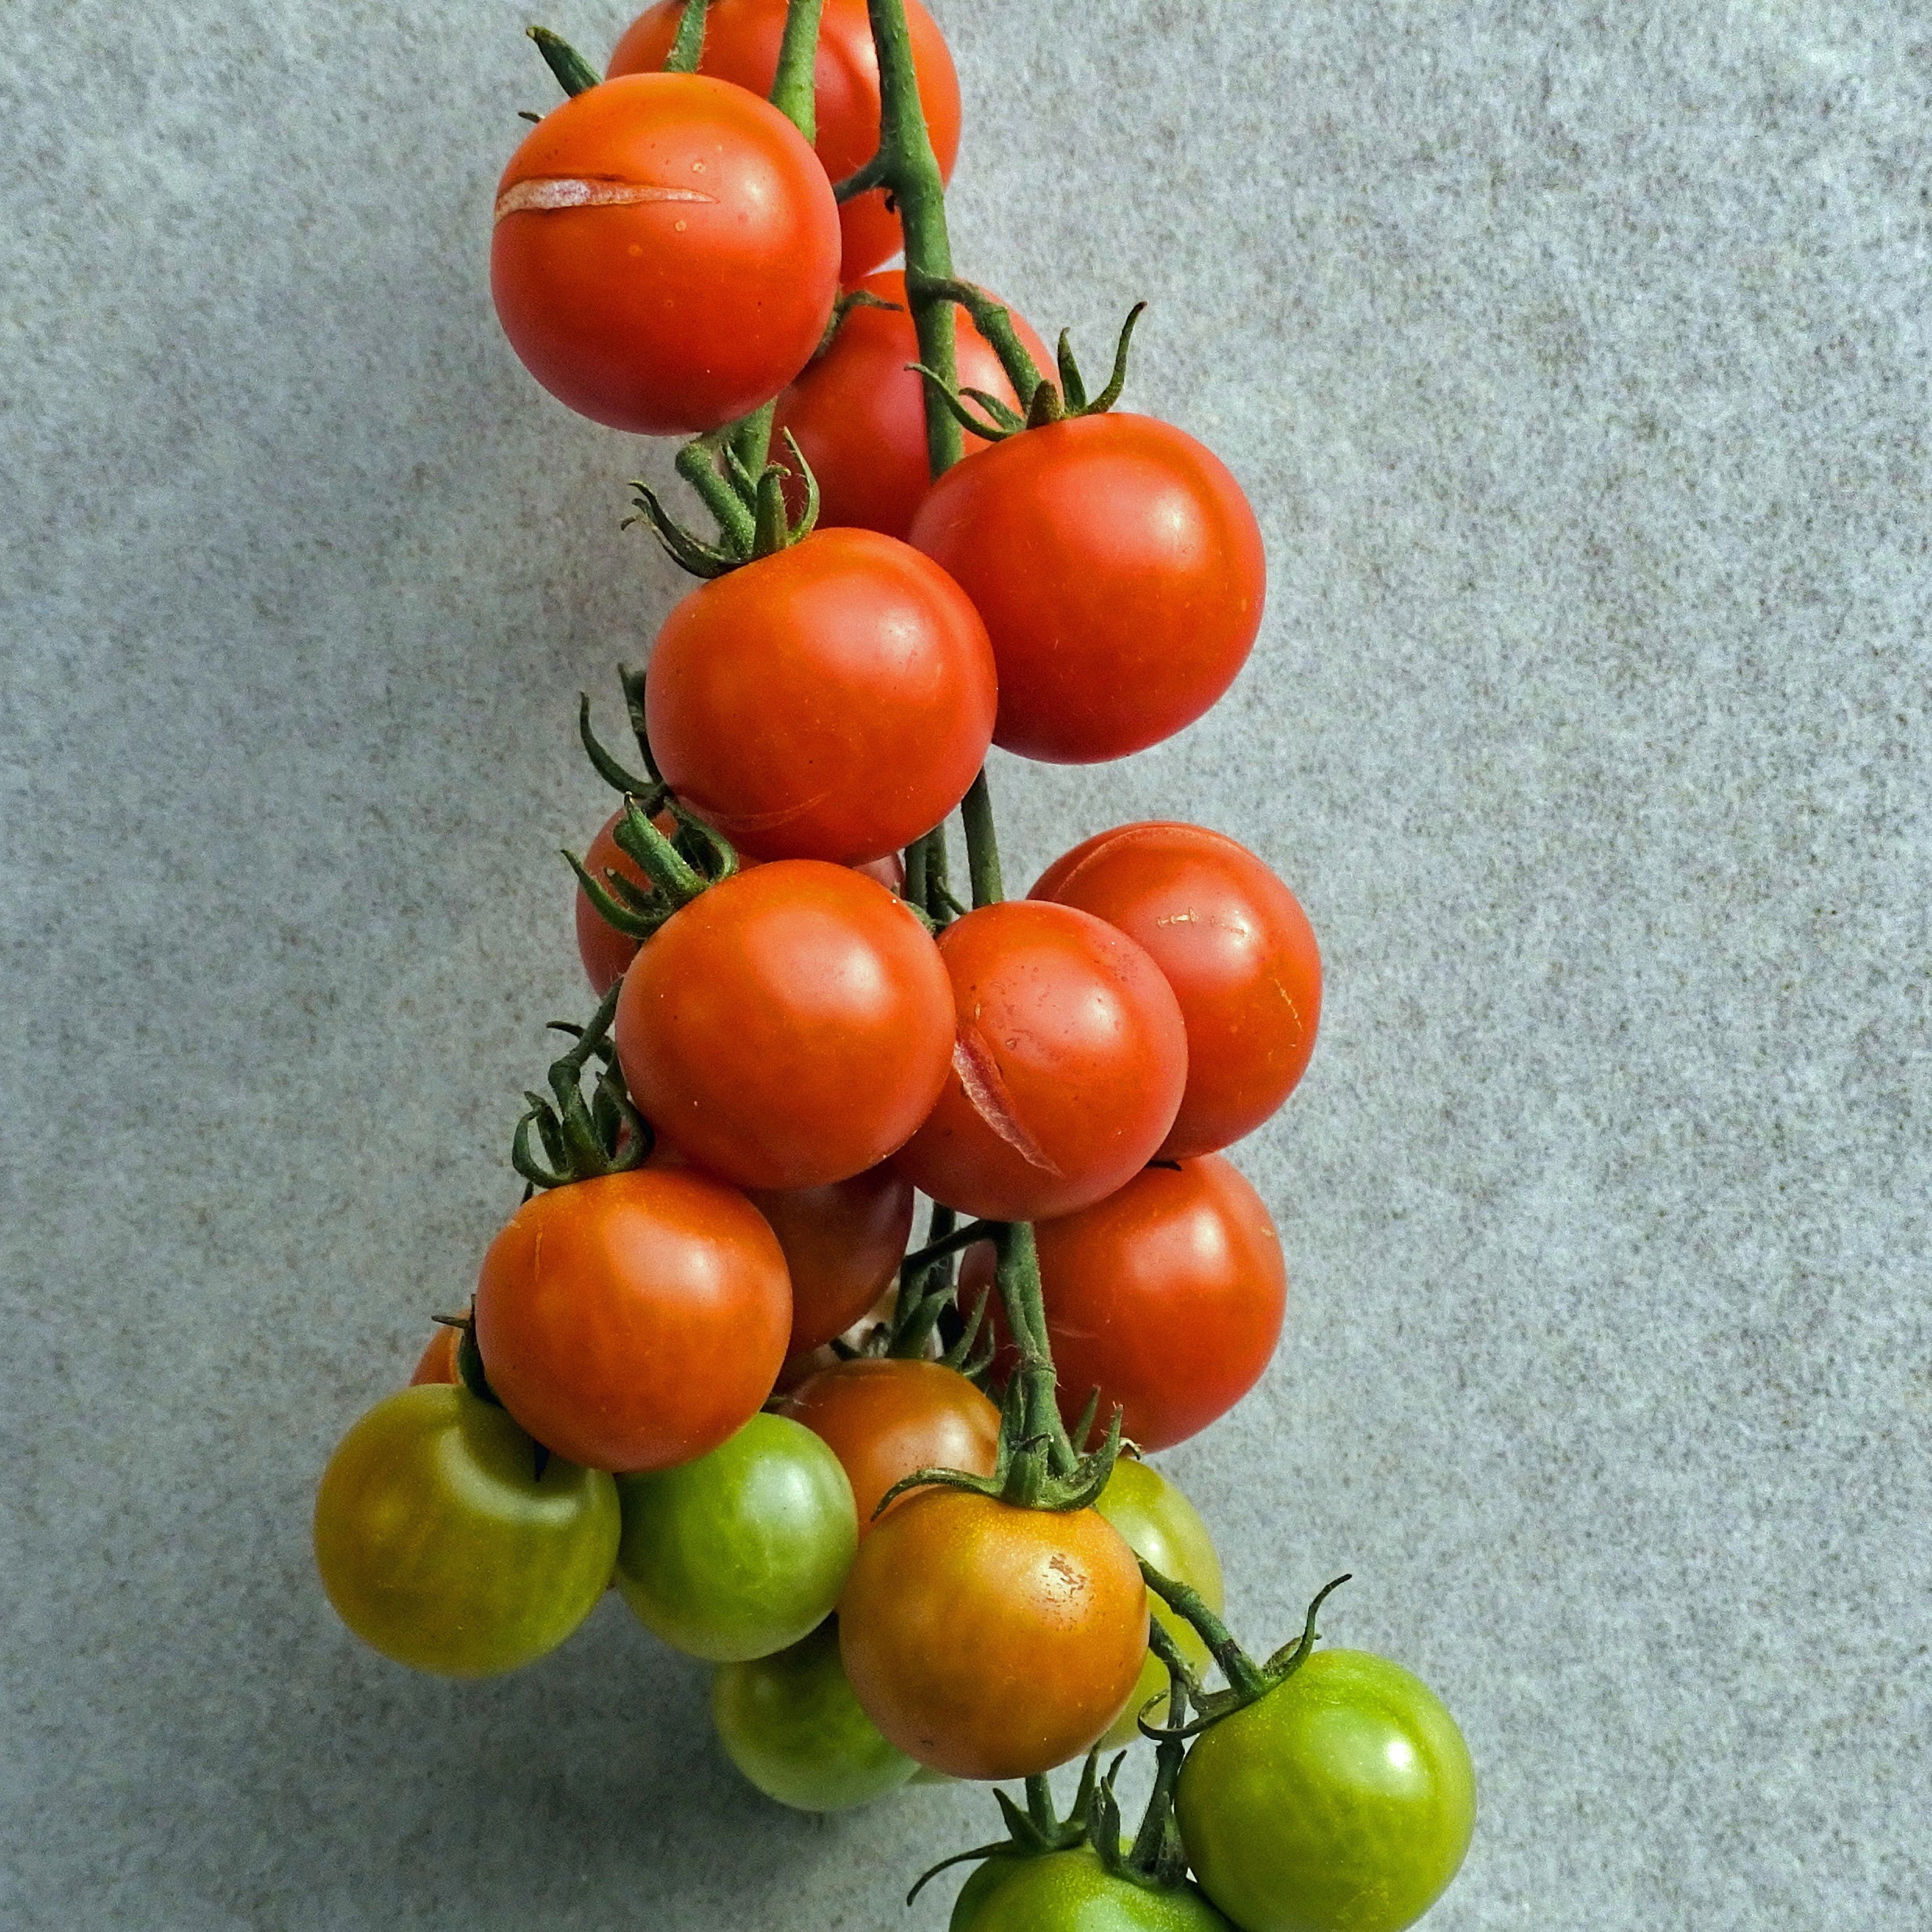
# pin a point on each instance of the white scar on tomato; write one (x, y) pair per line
(544, 195)
(978, 1072)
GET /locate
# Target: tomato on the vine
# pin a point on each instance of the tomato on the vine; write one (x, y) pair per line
(1069, 1061)
(832, 701)
(666, 253)
(1342, 1801)
(1073, 1892)
(444, 1543)
(636, 1320)
(1120, 572)
(741, 44)
(790, 1723)
(437, 1362)
(989, 1640)
(1234, 946)
(789, 1027)
(858, 412)
(842, 1243)
(884, 1419)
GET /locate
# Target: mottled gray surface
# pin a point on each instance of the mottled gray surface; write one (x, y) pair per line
(1575, 359)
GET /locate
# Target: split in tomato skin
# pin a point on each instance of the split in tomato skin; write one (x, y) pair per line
(442, 1545)
(1234, 945)
(742, 39)
(1120, 572)
(858, 412)
(1342, 1801)
(790, 1723)
(665, 255)
(1073, 1892)
(636, 1321)
(1069, 1063)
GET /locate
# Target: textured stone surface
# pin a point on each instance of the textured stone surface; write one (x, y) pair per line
(1576, 360)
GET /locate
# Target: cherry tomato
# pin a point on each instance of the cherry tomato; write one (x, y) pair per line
(1073, 1892)
(635, 1321)
(791, 1723)
(741, 43)
(991, 1641)
(832, 701)
(1167, 1297)
(743, 1551)
(1070, 1061)
(842, 1246)
(1342, 1801)
(789, 1027)
(437, 1362)
(885, 1419)
(1235, 947)
(666, 253)
(1120, 572)
(1162, 1527)
(440, 1545)
(858, 413)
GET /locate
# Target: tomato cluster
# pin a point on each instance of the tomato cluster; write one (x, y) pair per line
(700, 1363)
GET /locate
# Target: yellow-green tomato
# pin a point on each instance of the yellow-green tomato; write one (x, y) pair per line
(440, 1545)
(1161, 1527)
(743, 1551)
(1073, 1892)
(791, 1723)
(1341, 1801)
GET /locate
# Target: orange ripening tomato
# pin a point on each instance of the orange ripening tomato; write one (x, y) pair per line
(790, 1027)
(858, 412)
(635, 1321)
(842, 1243)
(1069, 1061)
(665, 253)
(437, 1362)
(885, 1419)
(1119, 570)
(991, 1641)
(1233, 942)
(741, 43)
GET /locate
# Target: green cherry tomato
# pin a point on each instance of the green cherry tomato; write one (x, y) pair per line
(791, 1723)
(987, 1877)
(1162, 1527)
(1072, 1891)
(743, 1551)
(1341, 1801)
(440, 1544)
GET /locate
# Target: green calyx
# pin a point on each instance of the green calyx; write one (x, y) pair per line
(575, 74)
(744, 493)
(1036, 1831)
(564, 1137)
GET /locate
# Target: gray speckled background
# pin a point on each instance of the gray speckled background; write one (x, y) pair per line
(1576, 361)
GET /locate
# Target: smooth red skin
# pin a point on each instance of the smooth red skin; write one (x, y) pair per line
(1232, 941)
(842, 1244)
(607, 953)
(884, 1419)
(1075, 1044)
(1167, 1297)
(668, 317)
(437, 1362)
(833, 701)
(1120, 572)
(858, 412)
(990, 1642)
(741, 44)
(789, 1027)
(635, 1321)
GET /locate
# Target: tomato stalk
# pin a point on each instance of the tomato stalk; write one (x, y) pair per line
(580, 1139)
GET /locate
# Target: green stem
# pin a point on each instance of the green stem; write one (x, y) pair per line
(794, 91)
(688, 49)
(696, 465)
(982, 844)
(1018, 1283)
(950, 1243)
(1243, 1674)
(575, 74)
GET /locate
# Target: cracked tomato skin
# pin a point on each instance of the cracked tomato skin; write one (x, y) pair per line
(665, 254)
(741, 44)
(1236, 947)
(636, 1321)
(992, 1641)
(1342, 1801)
(791, 1026)
(832, 701)
(1069, 1063)
(1073, 1892)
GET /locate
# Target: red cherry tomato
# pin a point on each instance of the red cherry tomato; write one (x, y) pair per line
(1235, 947)
(741, 44)
(858, 412)
(789, 1027)
(1167, 1297)
(833, 701)
(635, 1321)
(842, 1244)
(1120, 572)
(437, 1362)
(666, 253)
(1070, 1061)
